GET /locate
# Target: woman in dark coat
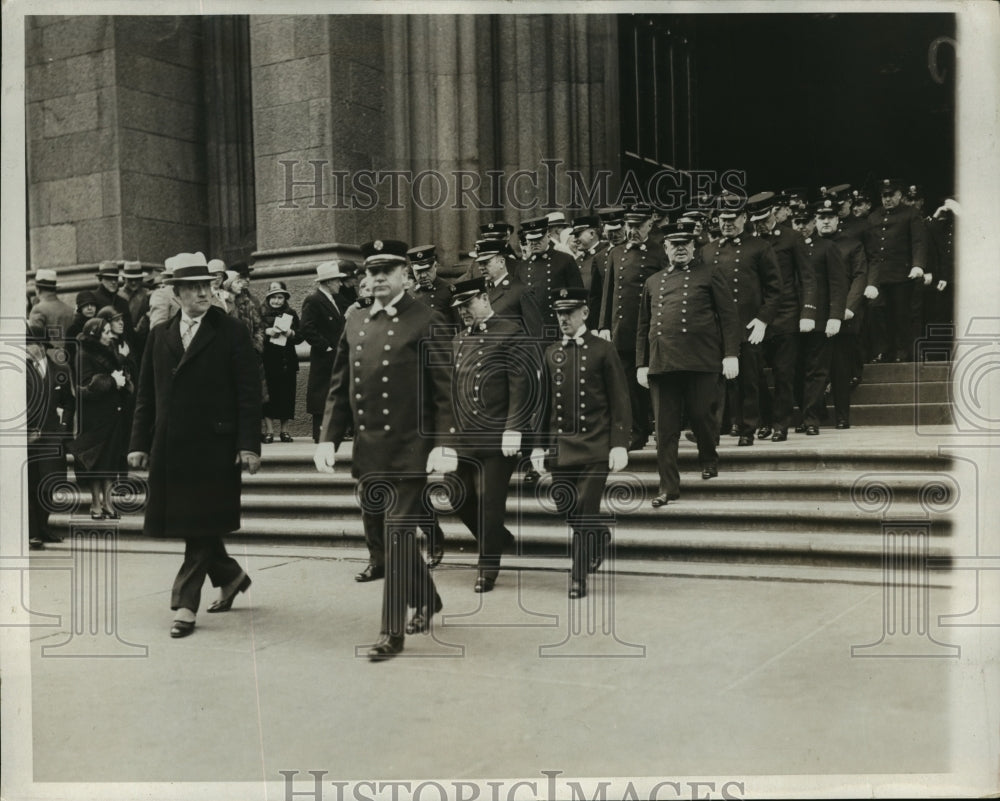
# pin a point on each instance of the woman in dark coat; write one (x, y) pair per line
(104, 397)
(281, 363)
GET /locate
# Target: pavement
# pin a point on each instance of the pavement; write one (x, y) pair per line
(662, 670)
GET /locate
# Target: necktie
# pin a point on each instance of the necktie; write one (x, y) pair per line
(490, 285)
(40, 366)
(188, 333)
(567, 340)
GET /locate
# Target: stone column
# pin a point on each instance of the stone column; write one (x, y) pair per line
(116, 165)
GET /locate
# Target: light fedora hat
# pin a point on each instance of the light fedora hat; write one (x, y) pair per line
(188, 267)
(45, 279)
(329, 270)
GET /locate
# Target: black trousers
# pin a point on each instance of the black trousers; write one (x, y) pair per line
(901, 325)
(744, 390)
(673, 394)
(780, 352)
(816, 350)
(484, 482)
(843, 364)
(639, 400)
(395, 508)
(577, 493)
(203, 556)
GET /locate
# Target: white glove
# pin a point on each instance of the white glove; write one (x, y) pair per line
(871, 292)
(832, 327)
(605, 334)
(916, 272)
(442, 460)
(642, 376)
(928, 277)
(952, 205)
(138, 459)
(805, 326)
(119, 378)
(730, 367)
(510, 443)
(325, 457)
(848, 314)
(617, 459)
(756, 328)
(538, 460)
(941, 286)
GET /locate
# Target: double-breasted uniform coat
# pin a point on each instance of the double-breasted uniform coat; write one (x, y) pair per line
(547, 272)
(687, 325)
(511, 298)
(494, 389)
(630, 264)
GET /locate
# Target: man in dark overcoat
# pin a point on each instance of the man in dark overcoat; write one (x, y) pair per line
(428, 286)
(688, 332)
(391, 378)
(585, 431)
(48, 409)
(322, 324)
(196, 426)
(509, 296)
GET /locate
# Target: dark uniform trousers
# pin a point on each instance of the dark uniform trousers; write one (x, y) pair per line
(844, 367)
(577, 494)
(901, 324)
(675, 393)
(484, 481)
(744, 391)
(394, 509)
(202, 556)
(781, 352)
(638, 400)
(817, 348)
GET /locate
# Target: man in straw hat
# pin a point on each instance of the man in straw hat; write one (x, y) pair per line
(50, 315)
(392, 380)
(322, 325)
(196, 426)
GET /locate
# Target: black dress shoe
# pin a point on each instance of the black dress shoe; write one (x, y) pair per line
(386, 648)
(812, 431)
(181, 628)
(50, 538)
(842, 424)
(764, 432)
(779, 436)
(484, 584)
(371, 573)
(35, 544)
(225, 603)
(746, 439)
(709, 471)
(660, 500)
(800, 429)
(531, 476)
(420, 623)
(734, 431)
(690, 437)
(638, 443)
(578, 589)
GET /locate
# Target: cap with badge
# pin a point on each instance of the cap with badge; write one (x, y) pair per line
(730, 205)
(795, 197)
(914, 192)
(535, 228)
(464, 291)
(583, 223)
(495, 230)
(759, 206)
(888, 186)
(383, 254)
(486, 249)
(679, 232)
(568, 298)
(827, 207)
(638, 213)
(422, 257)
(839, 192)
(612, 217)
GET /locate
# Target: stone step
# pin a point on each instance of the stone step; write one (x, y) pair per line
(901, 372)
(802, 546)
(902, 392)
(900, 414)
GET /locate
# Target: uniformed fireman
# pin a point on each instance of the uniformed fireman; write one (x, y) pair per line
(429, 287)
(688, 333)
(545, 269)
